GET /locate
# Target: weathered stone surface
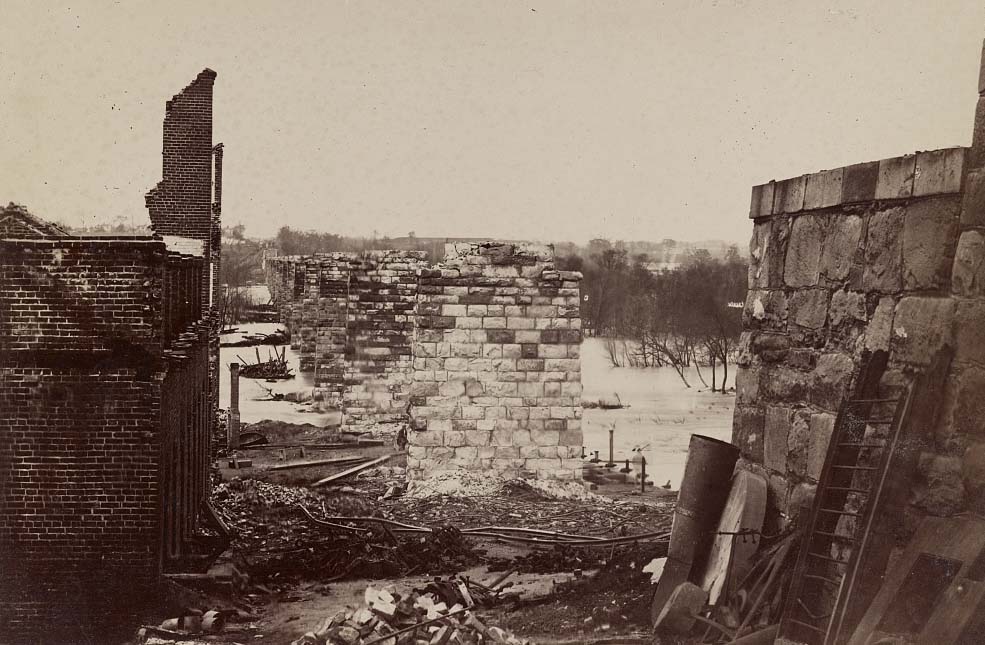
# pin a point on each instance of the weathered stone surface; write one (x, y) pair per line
(823, 189)
(777, 429)
(880, 329)
(747, 385)
(847, 308)
(762, 200)
(808, 308)
(777, 256)
(969, 322)
(968, 275)
(941, 490)
(859, 184)
(883, 252)
(798, 441)
(973, 199)
(803, 259)
(800, 500)
(821, 428)
(759, 247)
(973, 477)
(929, 237)
(963, 415)
(841, 244)
(770, 348)
(938, 171)
(788, 195)
(831, 379)
(896, 177)
(785, 384)
(748, 425)
(922, 325)
(765, 309)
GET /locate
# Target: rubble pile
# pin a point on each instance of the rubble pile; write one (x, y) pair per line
(605, 517)
(440, 614)
(275, 541)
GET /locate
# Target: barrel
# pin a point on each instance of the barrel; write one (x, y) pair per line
(704, 490)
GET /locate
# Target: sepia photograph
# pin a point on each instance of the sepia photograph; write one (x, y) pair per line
(541, 322)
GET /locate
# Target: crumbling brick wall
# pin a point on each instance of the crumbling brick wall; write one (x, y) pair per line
(92, 332)
(497, 376)
(379, 332)
(182, 203)
(351, 318)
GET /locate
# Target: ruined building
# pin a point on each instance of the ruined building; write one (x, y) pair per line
(107, 373)
(480, 353)
(886, 256)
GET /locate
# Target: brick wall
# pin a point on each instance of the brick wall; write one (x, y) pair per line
(104, 393)
(379, 331)
(497, 375)
(181, 203)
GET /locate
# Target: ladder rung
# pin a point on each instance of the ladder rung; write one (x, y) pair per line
(849, 489)
(855, 467)
(825, 557)
(807, 625)
(835, 535)
(831, 510)
(830, 581)
(873, 400)
(876, 421)
(807, 610)
(856, 444)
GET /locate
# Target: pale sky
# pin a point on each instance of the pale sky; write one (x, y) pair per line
(559, 120)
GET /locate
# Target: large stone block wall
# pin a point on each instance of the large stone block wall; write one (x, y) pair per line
(842, 261)
(879, 256)
(497, 375)
(392, 339)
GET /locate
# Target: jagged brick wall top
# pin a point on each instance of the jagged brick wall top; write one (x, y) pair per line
(181, 203)
(937, 172)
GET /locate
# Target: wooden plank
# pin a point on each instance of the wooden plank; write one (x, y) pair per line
(318, 462)
(356, 469)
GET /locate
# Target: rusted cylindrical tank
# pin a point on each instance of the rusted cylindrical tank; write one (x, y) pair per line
(704, 489)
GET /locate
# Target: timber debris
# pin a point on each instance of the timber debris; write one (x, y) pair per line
(274, 368)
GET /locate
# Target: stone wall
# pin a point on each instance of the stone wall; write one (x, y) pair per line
(480, 353)
(497, 374)
(351, 317)
(842, 261)
(876, 256)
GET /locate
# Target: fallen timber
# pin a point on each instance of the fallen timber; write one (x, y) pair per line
(275, 368)
(499, 533)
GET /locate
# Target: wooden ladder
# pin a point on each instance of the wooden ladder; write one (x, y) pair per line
(864, 438)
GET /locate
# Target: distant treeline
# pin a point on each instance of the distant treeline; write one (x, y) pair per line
(661, 313)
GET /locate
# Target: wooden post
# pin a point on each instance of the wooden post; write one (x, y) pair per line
(232, 423)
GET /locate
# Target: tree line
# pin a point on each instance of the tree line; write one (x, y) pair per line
(655, 314)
